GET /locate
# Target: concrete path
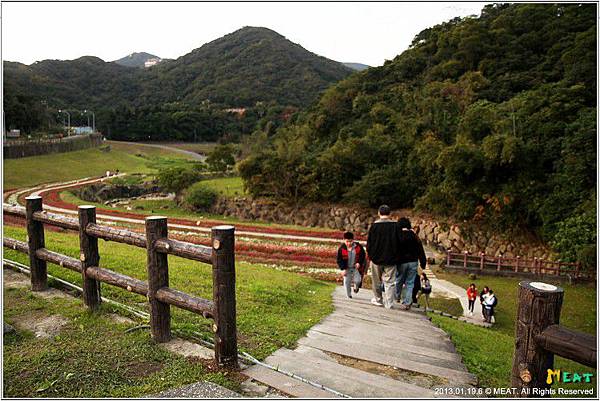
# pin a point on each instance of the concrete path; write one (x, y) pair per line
(366, 351)
(193, 155)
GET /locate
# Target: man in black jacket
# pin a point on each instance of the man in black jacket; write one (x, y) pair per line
(382, 246)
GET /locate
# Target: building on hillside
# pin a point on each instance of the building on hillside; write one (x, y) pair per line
(152, 61)
(82, 130)
(13, 133)
(239, 111)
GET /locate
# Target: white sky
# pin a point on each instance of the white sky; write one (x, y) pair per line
(367, 33)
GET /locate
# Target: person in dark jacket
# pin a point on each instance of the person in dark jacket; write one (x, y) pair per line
(382, 246)
(351, 261)
(410, 253)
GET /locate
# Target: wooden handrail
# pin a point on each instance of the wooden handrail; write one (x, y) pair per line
(221, 256)
(570, 344)
(538, 337)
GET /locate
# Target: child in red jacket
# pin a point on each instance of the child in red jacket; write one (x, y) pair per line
(471, 296)
(351, 261)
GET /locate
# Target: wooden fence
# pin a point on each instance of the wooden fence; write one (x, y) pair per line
(221, 309)
(538, 337)
(517, 266)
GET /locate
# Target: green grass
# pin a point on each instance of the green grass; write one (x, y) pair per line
(91, 357)
(448, 305)
(58, 167)
(578, 310)
(488, 353)
(228, 187)
(275, 308)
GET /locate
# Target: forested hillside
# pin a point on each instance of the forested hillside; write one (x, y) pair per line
(183, 99)
(489, 119)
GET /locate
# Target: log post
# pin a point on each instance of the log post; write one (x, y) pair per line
(158, 277)
(499, 262)
(448, 257)
(223, 262)
(35, 241)
(89, 256)
(577, 269)
(538, 307)
(465, 261)
(517, 263)
(481, 261)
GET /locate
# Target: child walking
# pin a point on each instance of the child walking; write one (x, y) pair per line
(351, 261)
(472, 297)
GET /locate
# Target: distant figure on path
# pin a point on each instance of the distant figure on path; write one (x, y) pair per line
(489, 303)
(472, 297)
(351, 260)
(382, 245)
(425, 289)
(482, 296)
(410, 253)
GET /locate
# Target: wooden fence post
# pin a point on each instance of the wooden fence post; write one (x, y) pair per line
(499, 263)
(481, 261)
(35, 241)
(223, 261)
(577, 269)
(538, 307)
(448, 257)
(465, 261)
(517, 264)
(89, 256)
(158, 277)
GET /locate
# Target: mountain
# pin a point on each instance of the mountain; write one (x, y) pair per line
(489, 119)
(135, 59)
(356, 66)
(252, 68)
(247, 66)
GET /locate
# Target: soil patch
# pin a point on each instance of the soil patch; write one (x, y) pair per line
(40, 325)
(188, 349)
(140, 369)
(12, 279)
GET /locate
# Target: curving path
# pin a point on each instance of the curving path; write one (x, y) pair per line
(193, 155)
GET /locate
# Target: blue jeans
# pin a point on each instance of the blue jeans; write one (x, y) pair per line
(406, 274)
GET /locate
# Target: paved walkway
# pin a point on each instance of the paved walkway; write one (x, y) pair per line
(366, 351)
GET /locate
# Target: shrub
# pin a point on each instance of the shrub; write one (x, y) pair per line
(574, 236)
(176, 179)
(200, 197)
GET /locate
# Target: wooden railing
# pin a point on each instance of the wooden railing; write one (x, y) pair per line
(221, 256)
(515, 266)
(538, 337)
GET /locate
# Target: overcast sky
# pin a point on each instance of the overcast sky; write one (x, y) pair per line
(367, 33)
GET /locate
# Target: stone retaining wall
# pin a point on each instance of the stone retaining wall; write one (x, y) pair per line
(441, 235)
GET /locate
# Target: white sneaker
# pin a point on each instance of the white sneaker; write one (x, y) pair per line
(470, 313)
(376, 302)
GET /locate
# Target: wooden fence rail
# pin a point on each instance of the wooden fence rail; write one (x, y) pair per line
(516, 266)
(538, 337)
(222, 308)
